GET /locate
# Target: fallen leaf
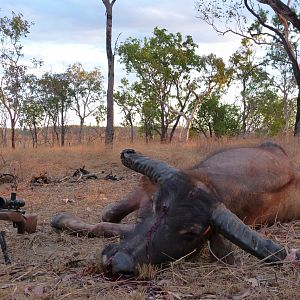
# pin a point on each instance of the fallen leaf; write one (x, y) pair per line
(68, 277)
(27, 291)
(39, 290)
(242, 295)
(67, 200)
(208, 296)
(254, 282)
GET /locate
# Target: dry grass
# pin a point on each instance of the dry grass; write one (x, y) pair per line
(54, 265)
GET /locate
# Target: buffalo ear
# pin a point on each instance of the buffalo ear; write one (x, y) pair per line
(231, 227)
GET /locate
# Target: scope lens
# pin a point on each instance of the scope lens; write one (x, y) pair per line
(2, 202)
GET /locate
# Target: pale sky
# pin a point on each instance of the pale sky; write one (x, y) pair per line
(69, 31)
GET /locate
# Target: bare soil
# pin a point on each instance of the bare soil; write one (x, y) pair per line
(55, 265)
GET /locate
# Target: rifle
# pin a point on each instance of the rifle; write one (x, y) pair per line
(10, 210)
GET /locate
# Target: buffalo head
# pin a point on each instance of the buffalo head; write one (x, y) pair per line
(184, 213)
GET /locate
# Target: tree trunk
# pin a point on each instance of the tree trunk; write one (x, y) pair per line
(35, 135)
(286, 111)
(13, 137)
(244, 108)
(4, 134)
(187, 130)
(146, 134)
(109, 132)
(210, 130)
(81, 130)
(32, 136)
(62, 133)
(55, 136)
(297, 122)
(190, 119)
(164, 127)
(131, 130)
(174, 128)
(164, 134)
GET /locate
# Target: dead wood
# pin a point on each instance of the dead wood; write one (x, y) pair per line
(41, 179)
(7, 178)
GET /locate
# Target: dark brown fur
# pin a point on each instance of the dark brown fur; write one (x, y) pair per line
(259, 184)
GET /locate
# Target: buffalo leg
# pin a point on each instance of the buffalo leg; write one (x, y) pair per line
(115, 212)
(138, 199)
(76, 226)
(222, 249)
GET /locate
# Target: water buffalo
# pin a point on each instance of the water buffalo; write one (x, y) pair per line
(179, 210)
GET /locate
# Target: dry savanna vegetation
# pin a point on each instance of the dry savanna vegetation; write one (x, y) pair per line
(54, 265)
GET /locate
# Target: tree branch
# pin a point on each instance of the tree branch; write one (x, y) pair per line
(282, 9)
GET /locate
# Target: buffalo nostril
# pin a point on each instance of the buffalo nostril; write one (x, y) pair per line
(122, 263)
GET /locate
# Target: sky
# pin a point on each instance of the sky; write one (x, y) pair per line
(69, 31)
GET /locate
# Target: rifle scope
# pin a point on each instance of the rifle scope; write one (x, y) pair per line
(11, 203)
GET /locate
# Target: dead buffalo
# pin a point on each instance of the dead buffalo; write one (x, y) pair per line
(179, 210)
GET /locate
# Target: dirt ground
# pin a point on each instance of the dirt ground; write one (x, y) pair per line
(54, 265)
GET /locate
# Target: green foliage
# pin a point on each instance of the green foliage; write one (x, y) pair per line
(33, 112)
(85, 86)
(56, 101)
(100, 114)
(126, 100)
(86, 92)
(275, 26)
(54, 93)
(170, 77)
(255, 84)
(215, 118)
(11, 70)
(158, 63)
(13, 74)
(271, 116)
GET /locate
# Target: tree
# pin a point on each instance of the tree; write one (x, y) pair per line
(284, 79)
(50, 105)
(109, 133)
(254, 80)
(269, 115)
(86, 90)
(157, 63)
(56, 101)
(212, 75)
(262, 31)
(125, 99)
(216, 119)
(13, 73)
(3, 125)
(171, 76)
(32, 110)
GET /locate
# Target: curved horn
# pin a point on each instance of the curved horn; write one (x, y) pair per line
(157, 171)
(229, 225)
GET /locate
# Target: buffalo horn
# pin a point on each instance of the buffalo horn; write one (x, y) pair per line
(229, 225)
(156, 171)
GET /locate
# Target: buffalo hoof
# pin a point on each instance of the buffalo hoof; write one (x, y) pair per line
(112, 213)
(108, 213)
(61, 220)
